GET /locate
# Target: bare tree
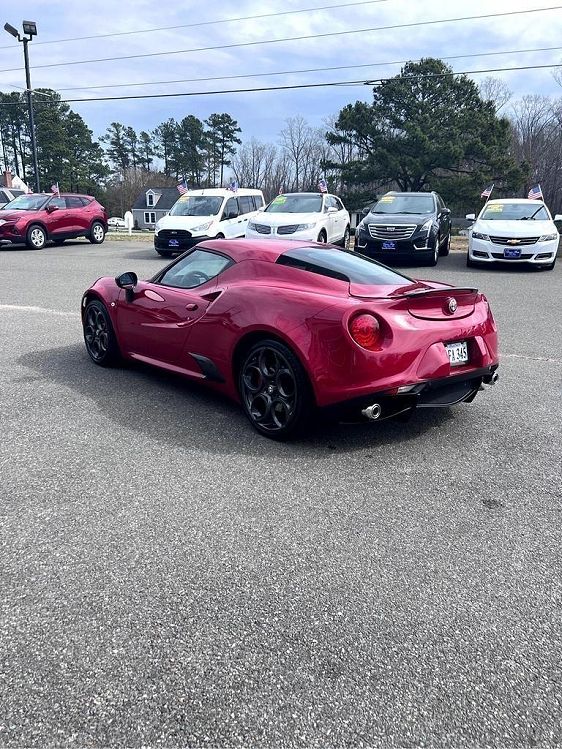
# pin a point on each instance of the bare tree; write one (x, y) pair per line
(495, 90)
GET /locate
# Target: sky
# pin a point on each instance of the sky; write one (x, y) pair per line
(262, 114)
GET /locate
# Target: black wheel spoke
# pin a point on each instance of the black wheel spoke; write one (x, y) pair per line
(269, 389)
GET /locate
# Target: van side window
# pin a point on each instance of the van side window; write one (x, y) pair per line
(246, 204)
(258, 201)
(230, 207)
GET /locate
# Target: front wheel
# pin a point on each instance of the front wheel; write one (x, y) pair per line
(346, 241)
(36, 238)
(99, 336)
(274, 390)
(444, 251)
(432, 262)
(97, 233)
(322, 238)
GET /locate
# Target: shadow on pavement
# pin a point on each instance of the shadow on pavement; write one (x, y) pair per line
(181, 413)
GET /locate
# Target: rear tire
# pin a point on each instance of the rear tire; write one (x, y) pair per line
(36, 237)
(99, 336)
(97, 233)
(274, 390)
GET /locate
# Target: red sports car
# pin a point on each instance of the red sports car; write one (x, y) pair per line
(287, 327)
(37, 218)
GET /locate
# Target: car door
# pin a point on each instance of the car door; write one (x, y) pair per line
(341, 219)
(77, 216)
(56, 217)
(246, 205)
(444, 217)
(332, 218)
(232, 223)
(155, 321)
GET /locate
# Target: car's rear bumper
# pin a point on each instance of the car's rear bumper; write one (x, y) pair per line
(404, 400)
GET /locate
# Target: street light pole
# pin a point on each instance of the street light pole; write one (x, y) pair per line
(30, 110)
(30, 29)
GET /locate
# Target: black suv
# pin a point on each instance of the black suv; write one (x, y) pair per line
(405, 226)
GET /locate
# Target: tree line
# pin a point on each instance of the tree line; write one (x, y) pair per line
(424, 129)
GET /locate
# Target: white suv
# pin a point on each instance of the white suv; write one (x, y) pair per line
(214, 213)
(511, 231)
(313, 216)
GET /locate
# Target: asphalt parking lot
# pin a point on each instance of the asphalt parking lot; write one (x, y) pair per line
(170, 578)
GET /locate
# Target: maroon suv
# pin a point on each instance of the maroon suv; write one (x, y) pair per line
(37, 218)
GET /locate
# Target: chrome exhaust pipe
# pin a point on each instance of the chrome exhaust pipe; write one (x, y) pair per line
(372, 412)
(495, 378)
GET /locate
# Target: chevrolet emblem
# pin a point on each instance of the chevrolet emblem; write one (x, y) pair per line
(513, 241)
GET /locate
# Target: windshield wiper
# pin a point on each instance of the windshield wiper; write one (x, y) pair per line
(530, 218)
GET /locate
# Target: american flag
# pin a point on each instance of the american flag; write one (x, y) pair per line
(55, 189)
(535, 193)
(233, 186)
(487, 191)
(322, 186)
(182, 187)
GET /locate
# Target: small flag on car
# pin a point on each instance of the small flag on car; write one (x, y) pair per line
(182, 187)
(322, 186)
(55, 189)
(535, 193)
(233, 186)
(487, 191)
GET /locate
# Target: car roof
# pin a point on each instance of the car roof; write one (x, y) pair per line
(222, 191)
(516, 200)
(405, 192)
(62, 195)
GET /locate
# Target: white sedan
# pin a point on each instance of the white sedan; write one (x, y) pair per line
(116, 223)
(312, 216)
(513, 231)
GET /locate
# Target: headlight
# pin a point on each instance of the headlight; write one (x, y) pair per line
(252, 226)
(478, 235)
(304, 227)
(427, 226)
(544, 238)
(202, 227)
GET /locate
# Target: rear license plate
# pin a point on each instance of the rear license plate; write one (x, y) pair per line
(389, 245)
(173, 243)
(512, 252)
(458, 353)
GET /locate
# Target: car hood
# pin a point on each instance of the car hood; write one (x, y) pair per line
(16, 215)
(514, 228)
(286, 219)
(183, 222)
(398, 219)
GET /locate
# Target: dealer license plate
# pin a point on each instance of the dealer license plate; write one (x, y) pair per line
(458, 353)
(512, 252)
(389, 245)
(173, 243)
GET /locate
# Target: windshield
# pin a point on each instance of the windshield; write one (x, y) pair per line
(404, 204)
(295, 204)
(197, 205)
(342, 264)
(26, 203)
(515, 212)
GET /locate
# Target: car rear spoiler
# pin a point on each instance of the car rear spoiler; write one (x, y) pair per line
(436, 292)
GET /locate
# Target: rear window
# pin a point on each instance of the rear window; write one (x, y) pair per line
(341, 264)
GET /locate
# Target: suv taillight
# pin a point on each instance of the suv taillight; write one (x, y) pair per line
(365, 331)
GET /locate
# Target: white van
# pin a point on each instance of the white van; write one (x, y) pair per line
(214, 213)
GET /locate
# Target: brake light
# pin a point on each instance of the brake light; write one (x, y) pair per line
(365, 331)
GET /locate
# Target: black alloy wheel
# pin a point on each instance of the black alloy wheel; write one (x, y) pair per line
(97, 233)
(274, 390)
(99, 336)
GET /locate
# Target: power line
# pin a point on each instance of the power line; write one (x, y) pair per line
(292, 39)
(303, 70)
(206, 23)
(295, 86)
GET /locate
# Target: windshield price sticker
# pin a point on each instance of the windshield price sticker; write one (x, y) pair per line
(279, 200)
(498, 208)
(387, 199)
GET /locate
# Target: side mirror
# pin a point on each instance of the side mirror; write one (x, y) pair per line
(127, 281)
(471, 216)
(261, 208)
(558, 217)
(331, 209)
(365, 211)
(446, 211)
(51, 208)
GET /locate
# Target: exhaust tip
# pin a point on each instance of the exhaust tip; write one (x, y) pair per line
(372, 412)
(495, 378)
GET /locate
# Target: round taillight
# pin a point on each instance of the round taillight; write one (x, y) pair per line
(365, 330)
